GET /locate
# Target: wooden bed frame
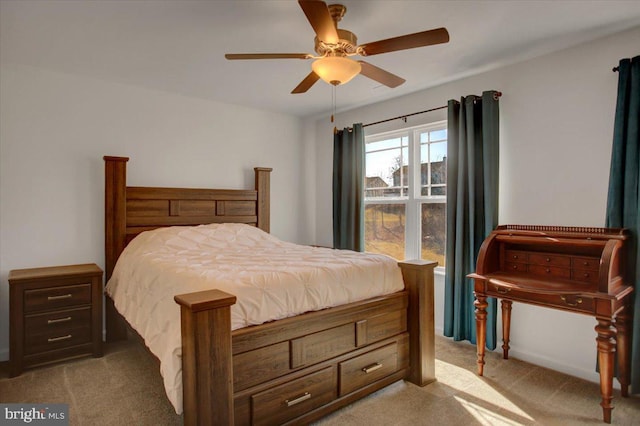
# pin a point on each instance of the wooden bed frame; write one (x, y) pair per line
(294, 370)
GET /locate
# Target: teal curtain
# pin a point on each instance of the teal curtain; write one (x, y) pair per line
(472, 207)
(348, 191)
(623, 203)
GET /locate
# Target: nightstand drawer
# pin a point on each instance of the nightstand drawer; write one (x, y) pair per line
(57, 297)
(56, 339)
(57, 320)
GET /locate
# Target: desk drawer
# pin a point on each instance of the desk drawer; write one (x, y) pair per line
(516, 267)
(290, 400)
(364, 369)
(516, 256)
(550, 271)
(549, 260)
(589, 263)
(570, 302)
(57, 297)
(585, 275)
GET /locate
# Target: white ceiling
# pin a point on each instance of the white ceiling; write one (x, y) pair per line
(178, 46)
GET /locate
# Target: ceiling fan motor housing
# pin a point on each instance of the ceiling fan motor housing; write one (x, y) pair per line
(346, 45)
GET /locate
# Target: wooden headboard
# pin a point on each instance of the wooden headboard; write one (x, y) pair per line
(130, 210)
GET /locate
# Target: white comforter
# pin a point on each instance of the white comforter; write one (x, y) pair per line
(272, 279)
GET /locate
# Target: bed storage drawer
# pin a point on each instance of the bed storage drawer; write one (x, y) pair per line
(367, 368)
(292, 399)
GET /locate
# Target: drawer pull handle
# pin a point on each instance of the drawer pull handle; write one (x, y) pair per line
(64, 296)
(576, 303)
(548, 260)
(586, 275)
(515, 256)
(57, 320)
(547, 270)
(298, 400)
(57, 339)
(371, 368)
(502, 290)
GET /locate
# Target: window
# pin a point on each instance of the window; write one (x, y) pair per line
(405, 193)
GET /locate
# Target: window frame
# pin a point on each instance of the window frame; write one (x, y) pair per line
(413, 200)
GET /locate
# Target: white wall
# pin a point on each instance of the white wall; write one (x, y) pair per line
(56, 128)
(556, 127)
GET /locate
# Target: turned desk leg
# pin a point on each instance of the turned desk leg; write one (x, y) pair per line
(481, 329)
(506, 326)
(606, 348)
(623, 326)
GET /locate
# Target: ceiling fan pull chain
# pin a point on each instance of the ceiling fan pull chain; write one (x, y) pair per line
(333, 102)
(333, 112)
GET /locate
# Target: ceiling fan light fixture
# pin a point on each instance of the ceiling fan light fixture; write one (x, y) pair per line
(336, 69)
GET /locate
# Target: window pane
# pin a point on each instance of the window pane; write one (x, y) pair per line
(384, 229)
(438, 135)
(438, 151)
(433, 167)
(438, 190)
(382, 164)
(385, 144)
(433, 232)
(438, 172)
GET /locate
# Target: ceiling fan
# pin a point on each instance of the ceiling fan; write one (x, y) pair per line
(335, 47)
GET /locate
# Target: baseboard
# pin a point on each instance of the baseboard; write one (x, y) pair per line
(552, 364)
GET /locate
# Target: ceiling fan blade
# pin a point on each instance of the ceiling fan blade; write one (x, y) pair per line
(380, 75)
(306, 83)
(233, 56)
(320, 19)
(409, 41)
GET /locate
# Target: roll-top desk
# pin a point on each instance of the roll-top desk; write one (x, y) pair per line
(569, 268)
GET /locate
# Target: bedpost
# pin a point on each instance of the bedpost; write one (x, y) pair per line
(115, 199)
(115, 203)
(207, 367)
(263, 185)
(419, 282)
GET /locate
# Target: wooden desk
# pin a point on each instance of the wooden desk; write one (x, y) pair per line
(569, 268)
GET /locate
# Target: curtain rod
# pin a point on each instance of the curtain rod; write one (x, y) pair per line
(404, 117)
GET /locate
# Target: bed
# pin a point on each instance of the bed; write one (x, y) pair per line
(291, 370)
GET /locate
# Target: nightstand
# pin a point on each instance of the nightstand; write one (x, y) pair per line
(55, 313)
